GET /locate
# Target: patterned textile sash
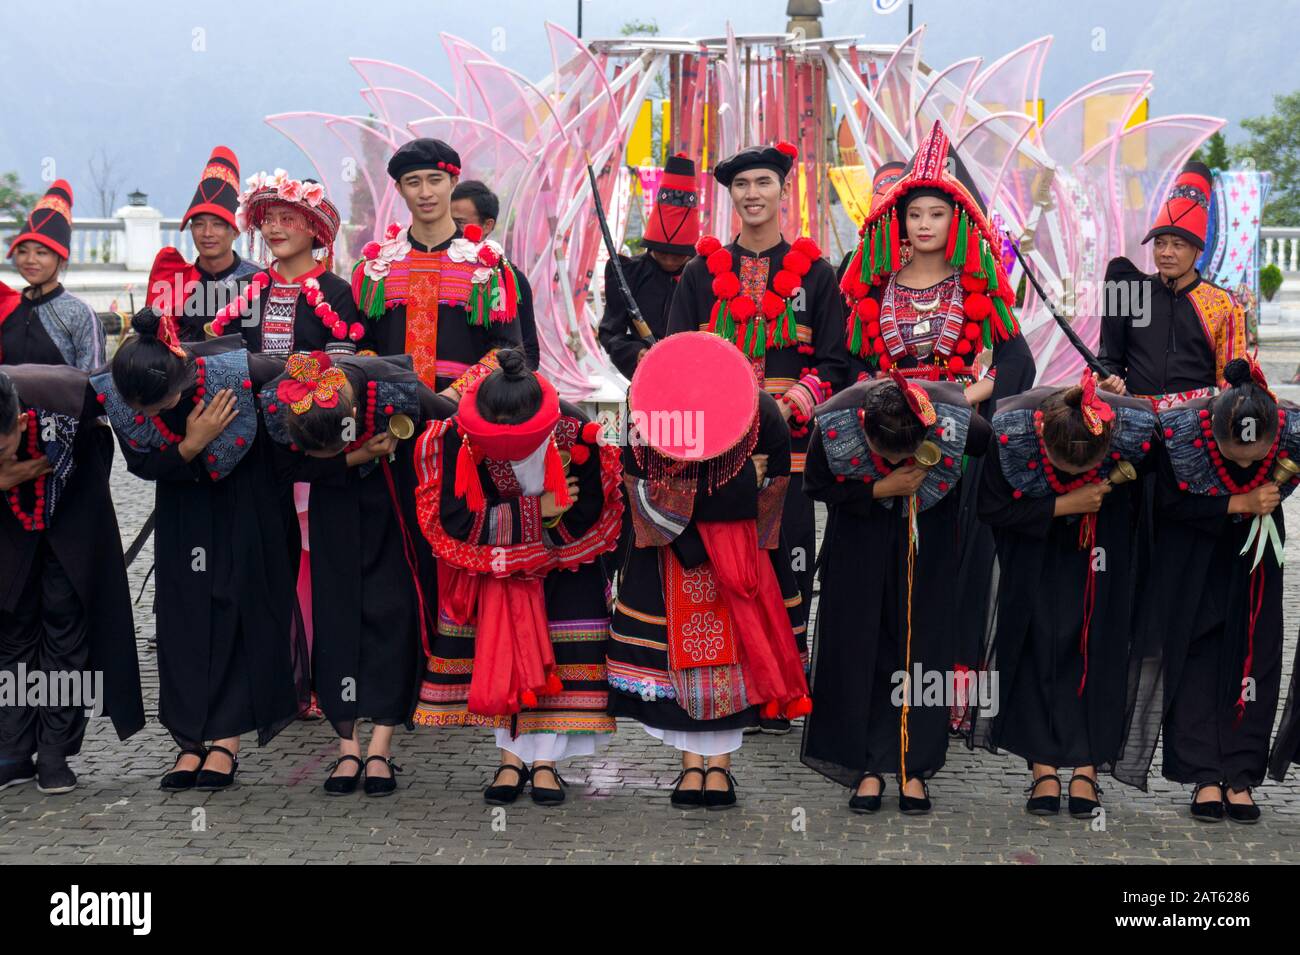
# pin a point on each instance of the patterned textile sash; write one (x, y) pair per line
(1161, 403)
(700, 630)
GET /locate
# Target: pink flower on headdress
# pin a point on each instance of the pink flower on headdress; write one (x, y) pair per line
(312, 193)
(290, 190)
(255, 182)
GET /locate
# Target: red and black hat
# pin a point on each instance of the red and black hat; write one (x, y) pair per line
(50, 223)
(778, 157)
(885, 177)
(218, 191)
(674, 224)
(1186, 210)
(423, 154)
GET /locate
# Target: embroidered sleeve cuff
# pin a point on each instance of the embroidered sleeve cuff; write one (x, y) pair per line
(804, 395)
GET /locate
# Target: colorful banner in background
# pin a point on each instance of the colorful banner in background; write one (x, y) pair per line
(1231, 251)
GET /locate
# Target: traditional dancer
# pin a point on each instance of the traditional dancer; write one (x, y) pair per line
(65, 611)
(778, 303)
(297, 304)
(1059, 492)
(374, 597)
(702, 638)
(474, 204)
(886, 458)
(886, 175)
(518, 500)
(1210, 662)
(45, 324)
(926, 292)
(447, 298)
(229, 657)
(1168, 337)
(193, 293)
(669, 240)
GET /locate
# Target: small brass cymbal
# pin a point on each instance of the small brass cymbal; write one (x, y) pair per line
(401, 427)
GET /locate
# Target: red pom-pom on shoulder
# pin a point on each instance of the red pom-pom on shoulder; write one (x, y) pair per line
(773, 304)
(726, 285)
(591, 432)
(707, 245)
(718, 261)
(579, 453)
(806, 246)
(474, 232)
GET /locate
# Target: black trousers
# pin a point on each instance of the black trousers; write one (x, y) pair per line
(46, 631)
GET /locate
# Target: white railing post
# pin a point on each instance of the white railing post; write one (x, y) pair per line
(142, 225)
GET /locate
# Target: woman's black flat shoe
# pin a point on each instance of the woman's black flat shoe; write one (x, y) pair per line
(1247, 814)
(1080, 806)
(688, 798)
(546, 796)
(720, 798)
(1210, 810)
(912, 806)
(496, 795)
(1043, 805)
(381, 785)
(179, 780)
(867, 804)
(209, 781)
(343, 785)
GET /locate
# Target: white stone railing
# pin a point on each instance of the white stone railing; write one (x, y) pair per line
(97, 242)
(130, 240)
(1281, 247)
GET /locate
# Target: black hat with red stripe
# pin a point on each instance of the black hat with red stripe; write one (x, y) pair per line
(50, 223)
(674, 224)
(778, 158)
(218, 191)
(1185, 212)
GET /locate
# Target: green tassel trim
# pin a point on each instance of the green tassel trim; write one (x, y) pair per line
(1007, 321)
(863, 274)
(726, 327)
(959, 252)
(986, 332)
(855, 334)
(755, 345)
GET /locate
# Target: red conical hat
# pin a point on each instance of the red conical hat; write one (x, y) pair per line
(674, 224)
(1185, 212)
(50, 223)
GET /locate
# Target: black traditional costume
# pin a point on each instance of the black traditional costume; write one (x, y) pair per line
(702, 634)
(886, 622)
(780, 307)
(230, 658)
(1061, 645)
(64, 604)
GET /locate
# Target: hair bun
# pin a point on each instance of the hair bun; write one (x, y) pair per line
(1237, 372)
(512, 363)
(146, 322)
(1073, 397)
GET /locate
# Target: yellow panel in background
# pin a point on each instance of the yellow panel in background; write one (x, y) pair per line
(1034, 108)
(1133, 150)
(641, 138)
(1100, 113)
(666, 128)
(853, 186)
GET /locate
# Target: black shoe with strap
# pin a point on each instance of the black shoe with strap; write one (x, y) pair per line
(504, 795)
(1081, 807)
(340, 785)
(381, 785)
(209, 781)
(1245, 813)
(545, 796)
(915, 805)
(178, 780)
(1208, 810)
(688, 798)
(867, 804)
(720, 798)
(1043, 805)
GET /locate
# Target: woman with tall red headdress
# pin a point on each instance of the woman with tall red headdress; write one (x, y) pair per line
(1059, 491)
(518, 499)
(702, 640)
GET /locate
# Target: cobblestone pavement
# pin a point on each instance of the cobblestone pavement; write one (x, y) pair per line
(618, 810)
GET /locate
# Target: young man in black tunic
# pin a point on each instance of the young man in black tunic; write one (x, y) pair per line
(778, 302)
(65, 610)
(474, 204)
(652, 276)
(218, 275)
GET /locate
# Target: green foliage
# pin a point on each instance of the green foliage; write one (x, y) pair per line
(1213, 152)
(1270, 280)
(14, 203)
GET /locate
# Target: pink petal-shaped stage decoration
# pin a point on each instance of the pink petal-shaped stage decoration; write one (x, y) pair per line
(1091, 114)
(1010, 83)
(945, 98)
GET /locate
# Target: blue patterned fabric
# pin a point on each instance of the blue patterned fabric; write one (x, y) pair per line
(952, 423)
(57, 434)
(223, 454)
(1192, 465)
(1134, 430)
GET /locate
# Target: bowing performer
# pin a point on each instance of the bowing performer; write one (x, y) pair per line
(65, 610)
(1209, 669)
(518, 499)
(702, 640)
(1059, 492)
(374, 599)
(230, 660)
(886, 458)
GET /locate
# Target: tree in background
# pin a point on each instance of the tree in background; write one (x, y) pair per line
(1213, 152)
(1274, 145)
(14, 203)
